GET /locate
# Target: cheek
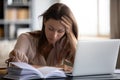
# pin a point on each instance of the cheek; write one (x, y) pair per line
(47, 33)
(61, 35)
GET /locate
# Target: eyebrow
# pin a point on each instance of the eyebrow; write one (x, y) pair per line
(54, 28)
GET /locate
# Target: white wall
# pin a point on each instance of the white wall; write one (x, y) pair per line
(38, 7)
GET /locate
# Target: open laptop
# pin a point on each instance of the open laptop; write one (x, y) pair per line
(96, 57)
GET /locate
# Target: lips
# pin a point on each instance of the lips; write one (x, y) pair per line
(51, 40)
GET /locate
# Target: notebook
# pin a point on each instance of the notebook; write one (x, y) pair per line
(96, 57)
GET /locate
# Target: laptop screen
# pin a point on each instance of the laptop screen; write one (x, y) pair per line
(96, 57)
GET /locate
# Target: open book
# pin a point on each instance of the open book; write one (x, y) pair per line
(24, 71)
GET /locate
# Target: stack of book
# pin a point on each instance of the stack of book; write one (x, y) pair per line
(24, 71)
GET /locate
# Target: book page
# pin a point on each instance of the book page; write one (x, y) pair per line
(51, 72)
(22, 65)
(117, 71)
(26, 68)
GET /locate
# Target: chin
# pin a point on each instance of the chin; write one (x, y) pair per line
(51, 42)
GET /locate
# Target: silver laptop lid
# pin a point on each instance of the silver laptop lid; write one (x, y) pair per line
(95, 57)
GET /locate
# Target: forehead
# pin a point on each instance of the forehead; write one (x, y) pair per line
(54, 23)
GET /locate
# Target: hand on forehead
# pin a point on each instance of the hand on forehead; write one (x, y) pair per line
(67, 23)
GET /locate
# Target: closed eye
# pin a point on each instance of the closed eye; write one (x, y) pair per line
(50, 28)
(61, 31)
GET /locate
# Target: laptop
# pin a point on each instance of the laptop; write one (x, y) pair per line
(96, 57)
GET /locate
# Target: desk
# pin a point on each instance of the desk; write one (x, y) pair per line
(115, 77)
(3, 71)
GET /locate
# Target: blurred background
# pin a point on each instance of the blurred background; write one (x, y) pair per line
(97, 19)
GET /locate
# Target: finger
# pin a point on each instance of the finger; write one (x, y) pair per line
(67, 68)
(67, 20)
(64, 24)
(67, 23)
(67, 27)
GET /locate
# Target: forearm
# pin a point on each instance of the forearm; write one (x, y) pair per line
(72, 39)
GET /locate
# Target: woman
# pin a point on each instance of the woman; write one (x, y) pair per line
(54, 44)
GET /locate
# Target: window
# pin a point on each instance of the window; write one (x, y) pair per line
(93, 16)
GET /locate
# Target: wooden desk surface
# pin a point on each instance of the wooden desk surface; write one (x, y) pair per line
(3, 71)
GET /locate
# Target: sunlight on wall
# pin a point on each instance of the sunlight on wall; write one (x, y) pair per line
(93, 17)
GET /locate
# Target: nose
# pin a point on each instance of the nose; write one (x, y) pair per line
(55, 34)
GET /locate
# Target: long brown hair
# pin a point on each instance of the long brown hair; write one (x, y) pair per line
(56, 11)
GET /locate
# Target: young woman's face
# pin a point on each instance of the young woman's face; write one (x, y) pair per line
(54, 30)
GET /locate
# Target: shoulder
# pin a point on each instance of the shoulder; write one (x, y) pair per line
(32, 34)
(28, 38)
(35, 33)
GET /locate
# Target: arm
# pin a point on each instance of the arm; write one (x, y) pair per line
(20, 50)
(67, 23)
(71, 39)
